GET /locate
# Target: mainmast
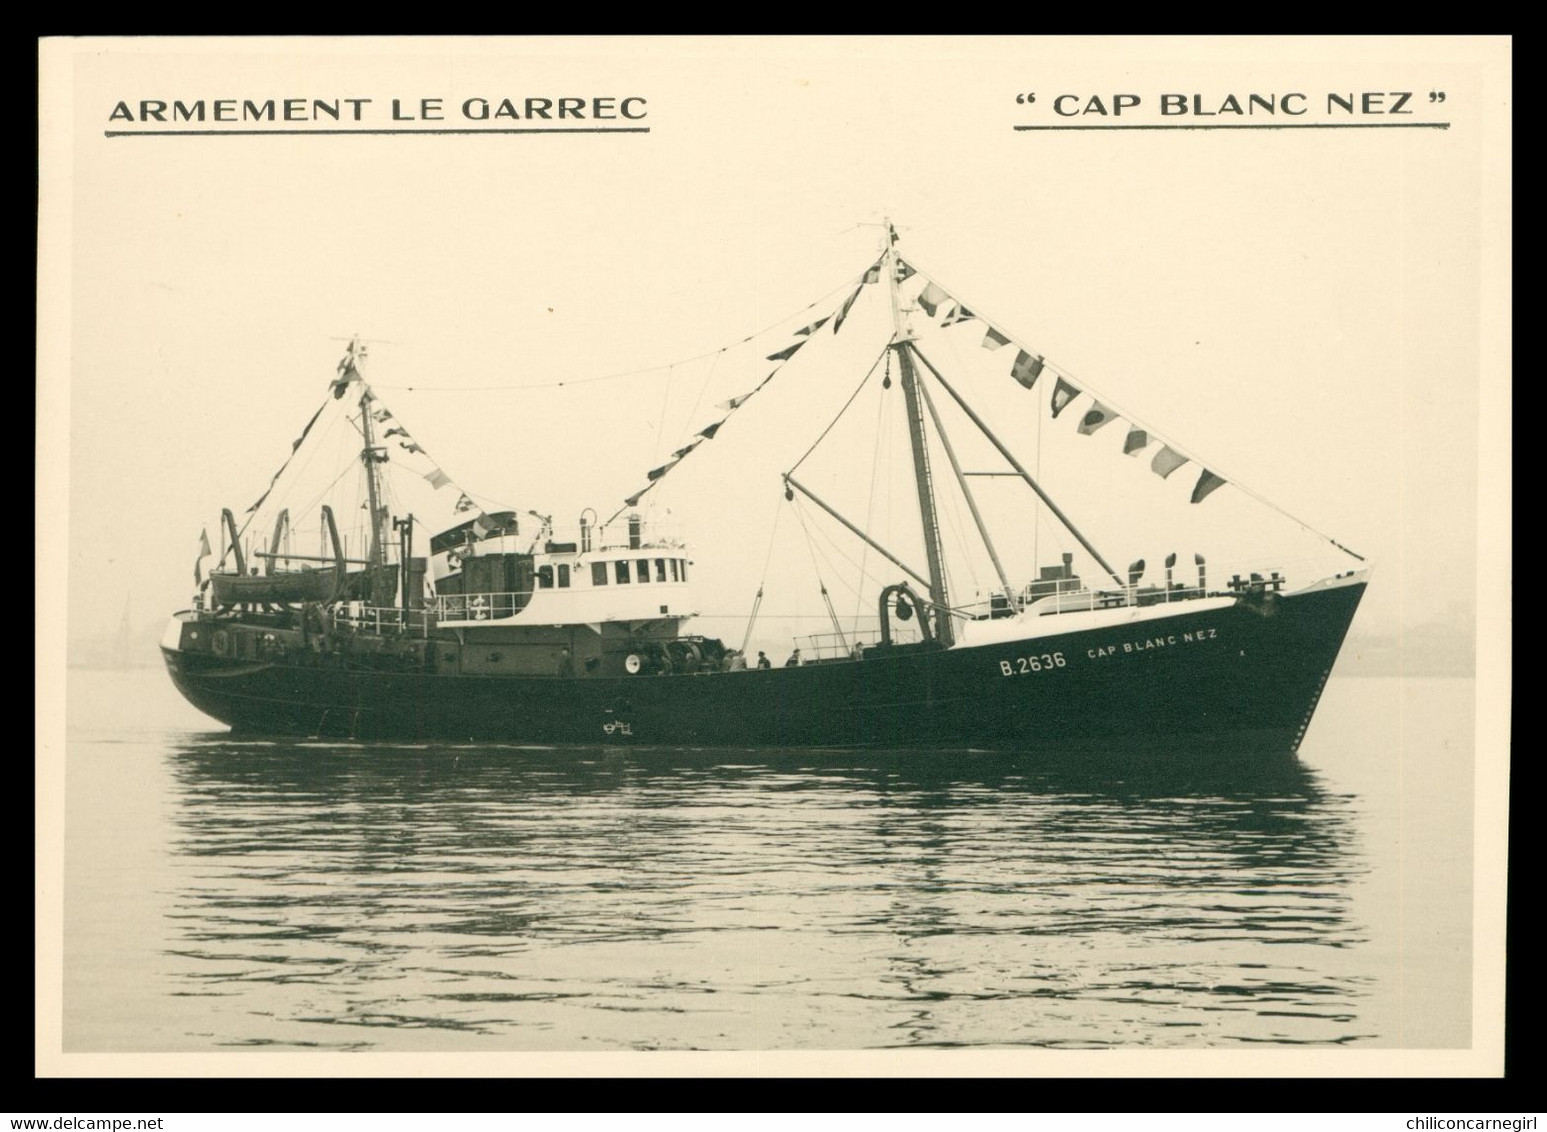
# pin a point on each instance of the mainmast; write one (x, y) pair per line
(902, 338)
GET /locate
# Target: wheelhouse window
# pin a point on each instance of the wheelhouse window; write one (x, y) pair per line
(676, 575)
(660, 569)
(644, 569)
(620, 571)
(684, 569)
(564, 576)
(598, 573)
(545, 577)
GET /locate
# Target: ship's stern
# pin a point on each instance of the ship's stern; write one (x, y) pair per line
(187, 649)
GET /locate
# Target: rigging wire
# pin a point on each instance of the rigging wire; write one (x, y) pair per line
(704, 387)
(317, 447)
(875, 459)
(316, 499)
(1036, 501)
(950, 503)
(959, 610)
(958, 529)
(763, 578)
(635, 372)
(887, 439)
(660, 428)
(306, 463)
(812, 533)
(813, 550)
(885, 350)
(870, 501)
(817, 570)
(865, 575)
(1037, 514)
(1086, 387)
(960, 497)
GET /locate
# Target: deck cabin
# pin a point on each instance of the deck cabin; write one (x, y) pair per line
(515, 599)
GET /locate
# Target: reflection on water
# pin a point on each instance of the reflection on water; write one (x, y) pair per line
(348, 896)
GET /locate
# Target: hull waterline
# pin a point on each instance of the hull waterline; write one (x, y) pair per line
(1242, 679)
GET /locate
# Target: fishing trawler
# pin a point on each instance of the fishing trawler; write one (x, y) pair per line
(508, 629)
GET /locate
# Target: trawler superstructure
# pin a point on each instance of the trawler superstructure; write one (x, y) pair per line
(506, 627)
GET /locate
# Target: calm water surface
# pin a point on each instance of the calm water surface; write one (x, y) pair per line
(226, 894)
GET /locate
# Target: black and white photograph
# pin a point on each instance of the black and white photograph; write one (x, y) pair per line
(873, 555)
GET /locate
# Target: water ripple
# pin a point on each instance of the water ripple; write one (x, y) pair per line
(597, 899)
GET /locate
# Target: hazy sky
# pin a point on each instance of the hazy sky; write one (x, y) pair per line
(1297, 308)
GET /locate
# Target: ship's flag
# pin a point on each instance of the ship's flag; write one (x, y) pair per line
(708, 431)
(382, 414)
(397, 432)
(813, 328)
(198, 562)
(960, 314)
(438, 479)
(1136, 439)
(1095, 417)
(903, 270)
(464, 503)
(656, 473)
(1026, 369)
(843, 311)
(411, 446)
(873, 274)
(634, 499)
(1166, 461)
(734, 403)
(931, 297)
(346, 372)
(1063, 393)
(785, 354)
(1207, 482)
(685, 449)
(993, 339)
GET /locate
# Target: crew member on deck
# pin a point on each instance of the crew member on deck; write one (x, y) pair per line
(566, 664)
(762, 659)
(794, 661)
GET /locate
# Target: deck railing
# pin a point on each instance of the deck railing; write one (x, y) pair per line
(1041, 597)
(618, 535)
(849, 644)
(382, 620)
(480, 607)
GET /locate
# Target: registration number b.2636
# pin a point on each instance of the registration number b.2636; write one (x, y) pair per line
(1025, 665)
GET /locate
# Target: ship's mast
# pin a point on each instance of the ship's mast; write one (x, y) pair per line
(902, 338)
(377, 555)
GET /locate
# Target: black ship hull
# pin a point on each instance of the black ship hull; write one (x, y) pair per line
(1239, 679)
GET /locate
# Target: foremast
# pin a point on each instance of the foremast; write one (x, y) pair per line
(902, 337)
(371, 455)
